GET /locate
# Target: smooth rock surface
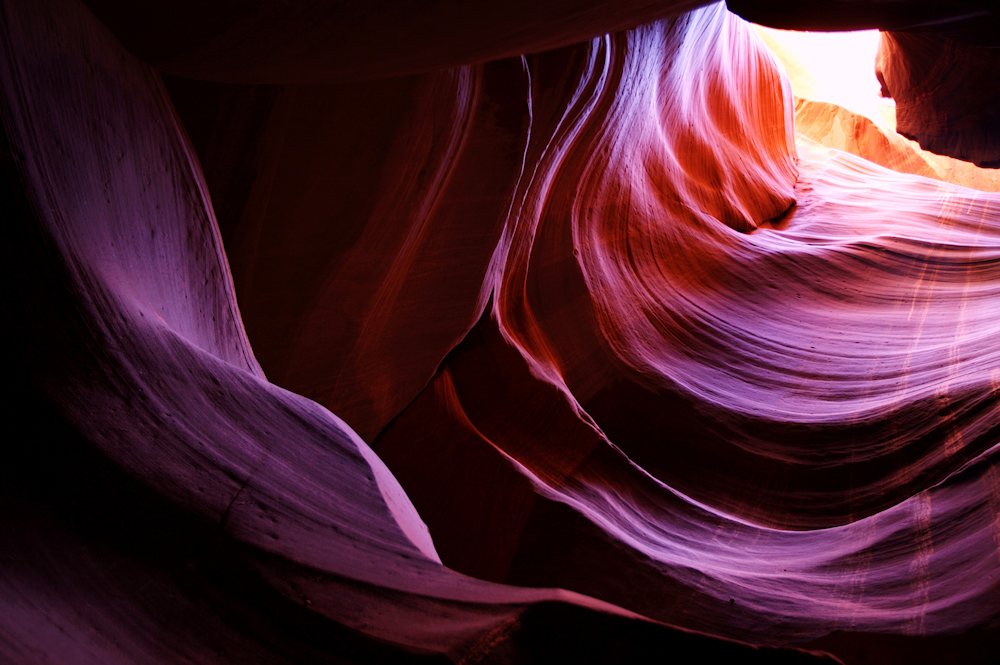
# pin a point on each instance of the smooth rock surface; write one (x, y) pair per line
(579, 355)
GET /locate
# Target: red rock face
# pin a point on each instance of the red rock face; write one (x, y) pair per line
(946, 94)
(575, 356)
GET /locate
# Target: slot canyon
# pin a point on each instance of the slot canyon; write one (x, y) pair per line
(498, 332)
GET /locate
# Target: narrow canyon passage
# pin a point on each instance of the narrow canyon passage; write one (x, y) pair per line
(585, 332)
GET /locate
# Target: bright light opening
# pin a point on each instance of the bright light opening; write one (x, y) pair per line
(839, 68)
(834, 67)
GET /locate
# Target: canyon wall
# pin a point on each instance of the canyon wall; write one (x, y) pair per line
(507, 333)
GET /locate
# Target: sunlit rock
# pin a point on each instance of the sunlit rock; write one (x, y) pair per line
(384, 342)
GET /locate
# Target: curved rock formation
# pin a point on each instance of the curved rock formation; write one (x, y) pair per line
(946, 94)
(973, 21)
(310, 41)
(834, 126)
(581, 356)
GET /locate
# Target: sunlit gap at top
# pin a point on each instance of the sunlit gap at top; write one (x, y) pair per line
(835, 67)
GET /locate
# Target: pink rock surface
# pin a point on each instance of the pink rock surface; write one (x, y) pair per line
(836, 127)
(571, 356)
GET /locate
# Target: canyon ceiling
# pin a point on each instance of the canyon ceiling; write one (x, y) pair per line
(496, 332)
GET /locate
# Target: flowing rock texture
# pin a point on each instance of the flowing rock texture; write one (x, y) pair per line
(552, 344)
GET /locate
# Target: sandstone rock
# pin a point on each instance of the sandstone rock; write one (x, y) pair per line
(576, 355)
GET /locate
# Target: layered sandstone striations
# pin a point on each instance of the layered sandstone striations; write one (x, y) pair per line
(581, 357)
